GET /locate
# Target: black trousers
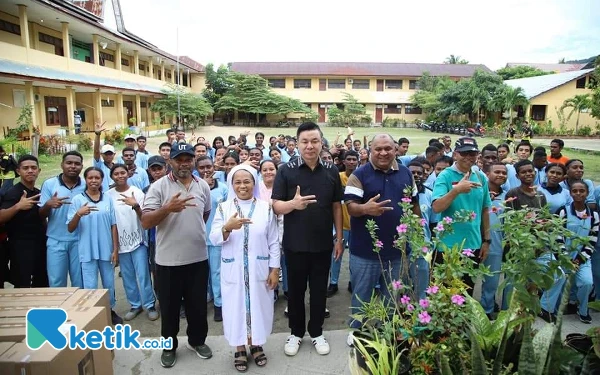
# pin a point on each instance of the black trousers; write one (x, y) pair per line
(438, 258)
(4, 260)
(303, 268)
(28, 263)
(190, 282)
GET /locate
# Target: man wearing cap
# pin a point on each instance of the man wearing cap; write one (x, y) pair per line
(108, 155)
(460, 188)
(178, 205)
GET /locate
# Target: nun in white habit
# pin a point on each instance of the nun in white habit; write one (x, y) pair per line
(246, 227)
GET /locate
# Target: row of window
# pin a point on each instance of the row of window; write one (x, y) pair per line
(409, 109)
(355, 84)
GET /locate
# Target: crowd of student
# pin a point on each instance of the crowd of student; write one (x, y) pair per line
(234, 222)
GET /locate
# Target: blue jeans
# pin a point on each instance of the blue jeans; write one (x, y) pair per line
(490, 283)
(63, 259)
(582, 287)
(89, 272)
(365, 274)
(214, 265)
(336, 265)
(551, 297)
(136, 278)
(595, 264)
(419, 273)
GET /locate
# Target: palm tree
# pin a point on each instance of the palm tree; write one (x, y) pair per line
(455, 59)
(512, 97)
(578, 103)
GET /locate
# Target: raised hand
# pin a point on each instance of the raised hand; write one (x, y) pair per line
(99, 127)
(374, 208)
(301, 202)
(130, 201)
(252, 163)
(86, 210)
(176, 204)
(56, 201)
(465, 185)
(27, 203)
(209, 178)
(235, 222)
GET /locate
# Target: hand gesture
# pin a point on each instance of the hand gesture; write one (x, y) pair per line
(465, 185)
(374, 208)
(209, 178)
(25, 203)
(86, 210)
(301, 202)
(176, 204)
(130, 201)
(235, 223)
(99, 127)
(57, 202)
(252, 163)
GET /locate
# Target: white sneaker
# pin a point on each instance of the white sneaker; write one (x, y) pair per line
(350, 339)
(321, 345)
(292, 344)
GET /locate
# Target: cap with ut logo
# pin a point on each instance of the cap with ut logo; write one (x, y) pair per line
(181, 148)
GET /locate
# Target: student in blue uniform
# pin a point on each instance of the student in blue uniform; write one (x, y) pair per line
(556, 195)
(92, 215)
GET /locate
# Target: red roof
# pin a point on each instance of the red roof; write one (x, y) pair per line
(354, 69)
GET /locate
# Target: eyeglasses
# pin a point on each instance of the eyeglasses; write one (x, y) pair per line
(468, 153)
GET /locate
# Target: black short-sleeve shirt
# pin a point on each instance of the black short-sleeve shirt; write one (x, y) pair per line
(309, 230)
(27, 224)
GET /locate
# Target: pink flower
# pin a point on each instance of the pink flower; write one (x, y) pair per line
(468, 252)
(448, 220)
(405, 299)
(396, 285)
(423, 222)
(457, 299)
(473, 215)
(406, 200)
(379, 244)
(402, 228)
(424, 317)
(410, 307)
(432, 289)
(425, 250)
(424, 303)
(439, 227)
(494, 210)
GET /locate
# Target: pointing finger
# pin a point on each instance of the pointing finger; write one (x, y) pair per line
(383, 203)
(298, 190)
(235, 215)
(35, 196)
(375, 198)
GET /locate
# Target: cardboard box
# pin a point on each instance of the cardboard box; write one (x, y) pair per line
(12, 329)
(4, 346)
(88, 298)
(19, 309)
(20, 360)
(36, 294)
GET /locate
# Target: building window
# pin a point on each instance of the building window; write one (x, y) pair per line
(141, 67)
(393, 84)
(107, 56)
(413, 84)
(410, 109)
(277, 83)
(580, 84)
(360, 84)
(336, 83)
(538, 112)
(10, 27)
(108, 103)
(56, 42)
(302, 84)
(125, 62)
(142, 104)
(392, 108)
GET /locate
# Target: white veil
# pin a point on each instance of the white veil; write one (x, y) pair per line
(231, 194)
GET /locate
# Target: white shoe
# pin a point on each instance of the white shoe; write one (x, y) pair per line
(321, 345)
(292, 345)
(350, 339)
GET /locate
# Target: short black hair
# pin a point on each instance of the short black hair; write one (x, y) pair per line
(165, 144)
(259, 133)
(169, 131)
(415, 163)
(351, 153)
(539, 154)
(522, 163)
(571, 161)
(232, 154)
(432, 141)
(488, 167)
(559, 142)
(202, 158)
(431, 150)
(559, 165)
(489, 147)
(27, 157)
(539, 148)
(403, 140)
(444, 159)
(141, 138)
(308, 126)
(199, 144)
(128, 149)
(527, 144)
(587, 188)
(439, 145)
(72, 153)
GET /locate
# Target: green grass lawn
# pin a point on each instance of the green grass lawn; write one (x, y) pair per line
(418, 142)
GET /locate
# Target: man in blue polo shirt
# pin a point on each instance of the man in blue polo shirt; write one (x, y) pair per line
(62, 251)
(374, 191)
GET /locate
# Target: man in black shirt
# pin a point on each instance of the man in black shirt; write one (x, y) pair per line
(26, 229)
(308, 192)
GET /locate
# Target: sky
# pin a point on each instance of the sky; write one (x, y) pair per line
(489, 32)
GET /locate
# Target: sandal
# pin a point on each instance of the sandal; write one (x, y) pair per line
(241, 364)
(261, 358)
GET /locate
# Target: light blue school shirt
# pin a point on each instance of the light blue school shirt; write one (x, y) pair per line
(285, 157)
(141, 160)
(57, 229)
(218, 194)
(94, 230)
(219, 176)
(496, 233)
(555, 201)
(139, 179)
(106, 181)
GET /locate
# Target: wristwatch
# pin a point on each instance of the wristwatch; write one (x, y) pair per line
(488, 241)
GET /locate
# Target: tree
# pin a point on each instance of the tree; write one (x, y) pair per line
(577, 103)
(510, 97)
(595, 86)
(561, 61)
(521, 71)
(193, 107)
(217, 83)
(428, 96)
(452, 59)
(353, 113)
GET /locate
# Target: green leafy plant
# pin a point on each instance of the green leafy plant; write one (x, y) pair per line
(24, 122)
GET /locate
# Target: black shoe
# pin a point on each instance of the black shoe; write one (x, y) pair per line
(496, 307)
(587, 319)
(491, 317)
(116, 319)
(327, 314)
(332, 290)
(571, 309)
(550, 318)
(168, 358)
(349, 286)
(218, 314)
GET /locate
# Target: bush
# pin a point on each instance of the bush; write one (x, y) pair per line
(585, 131)
(115, 136)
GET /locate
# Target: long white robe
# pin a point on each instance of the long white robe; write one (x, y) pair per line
(263, 252)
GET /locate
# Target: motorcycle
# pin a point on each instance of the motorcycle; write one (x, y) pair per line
(477, 131)
(425, 126)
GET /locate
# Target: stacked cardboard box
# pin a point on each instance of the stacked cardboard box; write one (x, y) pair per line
(86, 309)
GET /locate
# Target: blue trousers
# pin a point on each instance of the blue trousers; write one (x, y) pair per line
(365, 274)
(136, 278)
(336, 265)
(582, 287)
(419, 273)
(214, 265)
(490, 284)
(62, 259)
(89, 272)
(551, 297)
(595, 264)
